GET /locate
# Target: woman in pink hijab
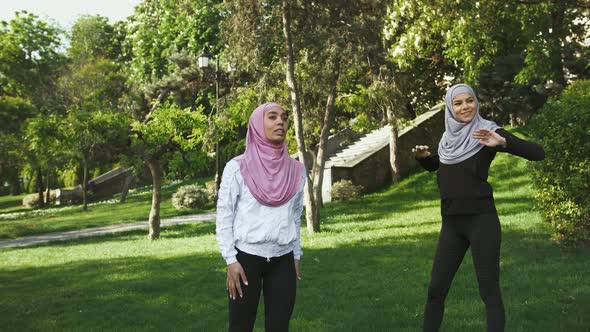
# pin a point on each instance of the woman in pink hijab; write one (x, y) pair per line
(258, 223)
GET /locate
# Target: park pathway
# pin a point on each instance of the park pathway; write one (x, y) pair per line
(62, 236)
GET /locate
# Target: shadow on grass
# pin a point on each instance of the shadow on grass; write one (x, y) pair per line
(10, 204)
(513, 205)
(368, 282)
(508, 173)
(134, 293)
(366, 287)
(357, 286)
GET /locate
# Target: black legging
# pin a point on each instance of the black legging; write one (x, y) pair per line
(276, 277)
(483, 234)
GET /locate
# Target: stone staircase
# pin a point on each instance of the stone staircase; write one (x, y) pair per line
(370, 143)
(365, 161)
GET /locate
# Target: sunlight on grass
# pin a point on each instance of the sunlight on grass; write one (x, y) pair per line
(367, 271)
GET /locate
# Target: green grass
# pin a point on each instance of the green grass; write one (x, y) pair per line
(136, 208)
(367, 271)
(11, 204)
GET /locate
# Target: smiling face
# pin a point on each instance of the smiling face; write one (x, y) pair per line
(464, 107)
(276, 124)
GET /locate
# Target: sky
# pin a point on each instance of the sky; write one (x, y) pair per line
(65, 12)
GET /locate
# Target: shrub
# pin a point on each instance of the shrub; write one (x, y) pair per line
(211, 190)
(190, 197)
(344, 190)
(562, 180)
(32, 200)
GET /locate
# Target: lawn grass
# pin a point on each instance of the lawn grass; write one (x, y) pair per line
(367, 271)
(11, 204)
(136, 208)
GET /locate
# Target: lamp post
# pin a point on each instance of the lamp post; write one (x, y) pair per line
(204, 63)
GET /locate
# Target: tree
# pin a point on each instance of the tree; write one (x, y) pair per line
(91, 134)
(159, 29)
(166, 129)
(30, 63)
(93, 38)
(95, 128)
(317, 44)
(44, 150)
(386, 94)
(29, 57)
(556, 50)
(164, 38)
(14, 112)
(513, 51)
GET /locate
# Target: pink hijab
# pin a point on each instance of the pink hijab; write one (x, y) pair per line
(272, 176)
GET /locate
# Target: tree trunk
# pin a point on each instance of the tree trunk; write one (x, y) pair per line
(28, 181)
(310, 207)
(48, 190)
(217, 152)
(40, 188)
(318, 170)
(217, 172)
(393, 148)
(394, 155)
(555, 47)
(15, 184)
(126, 186)
(154, 218)
(84, 184)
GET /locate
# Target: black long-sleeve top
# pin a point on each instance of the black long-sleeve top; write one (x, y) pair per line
(463, 187)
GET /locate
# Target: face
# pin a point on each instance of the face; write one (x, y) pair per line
(464, 107)
(276, 124)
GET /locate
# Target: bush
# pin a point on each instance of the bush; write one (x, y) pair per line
(190, 197)
(344, 190)
(562, 180)
(211, 190)
(32, 200)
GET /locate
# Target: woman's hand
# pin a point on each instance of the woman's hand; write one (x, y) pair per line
(235, 272)
(420, 151)
(489, 138)
(297, 269)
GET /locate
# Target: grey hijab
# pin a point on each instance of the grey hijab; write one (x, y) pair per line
(457, 142)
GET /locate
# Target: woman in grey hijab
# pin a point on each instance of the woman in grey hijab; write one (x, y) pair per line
(469, 218)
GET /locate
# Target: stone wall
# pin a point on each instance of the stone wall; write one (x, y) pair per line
(109, 184)
(374, 172)
(102, 187)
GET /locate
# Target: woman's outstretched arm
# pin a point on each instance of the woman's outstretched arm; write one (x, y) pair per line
(505, 141)
(428, 161)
